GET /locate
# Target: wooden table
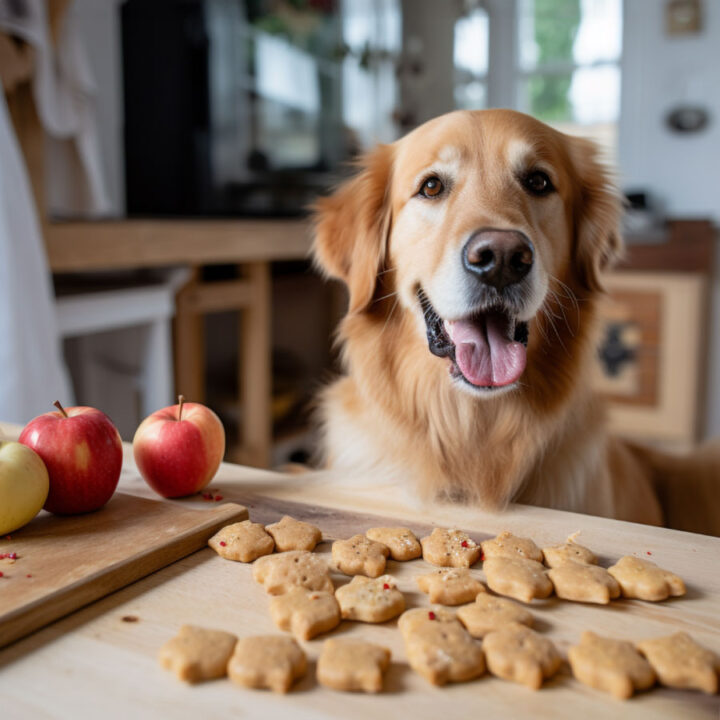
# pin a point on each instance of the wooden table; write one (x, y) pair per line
(93, 662)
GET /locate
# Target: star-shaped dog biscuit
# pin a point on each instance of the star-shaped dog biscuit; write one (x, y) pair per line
(508, 545)
(644, 580)
(370, 600)
(450, 548)
(197, 654)
(681, 663)
(359, 555)
(352, 665)
(490, 613)
(267, 661)
(515, 652)
(614, 666)
(305, 613)
(450, 586)
(291, 534)
(584, 583)
(517, 578)
(401, 542)
(244, 541)
(278, 573)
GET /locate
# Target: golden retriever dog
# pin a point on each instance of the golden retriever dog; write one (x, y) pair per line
(473, 251)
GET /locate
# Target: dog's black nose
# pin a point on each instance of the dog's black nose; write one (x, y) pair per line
(498, 257)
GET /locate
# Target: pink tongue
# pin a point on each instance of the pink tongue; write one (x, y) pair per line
(484, 355)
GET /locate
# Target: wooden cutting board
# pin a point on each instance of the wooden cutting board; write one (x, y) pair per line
(64, 563)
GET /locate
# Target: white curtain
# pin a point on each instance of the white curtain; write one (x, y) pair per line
(32, 373)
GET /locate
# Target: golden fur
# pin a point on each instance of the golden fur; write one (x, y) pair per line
(395, 413)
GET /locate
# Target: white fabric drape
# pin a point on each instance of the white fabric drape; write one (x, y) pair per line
(32, 373)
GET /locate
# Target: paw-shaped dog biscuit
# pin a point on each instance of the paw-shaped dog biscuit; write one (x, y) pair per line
(517, 653)
(291, 534)
(267, 661)
(359, 555)
(584, 583)
(450, 586)
(401, 542)
(644, 580)
(351, 665)
(278, 573)
(450, 548)
(517, 578)
(244, 541)
(681, 663)
(566, 552)
(490, 613)
(370, 600)
(614, 666)
(197, 654)
(305, 613)
(439, 648)
(508, 545)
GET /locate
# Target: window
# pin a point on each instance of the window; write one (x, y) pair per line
(569, 65)
(470, 59)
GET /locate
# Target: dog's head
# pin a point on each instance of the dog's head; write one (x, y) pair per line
(477, 221)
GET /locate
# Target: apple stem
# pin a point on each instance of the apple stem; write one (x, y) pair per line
(181, 402)
(60, 408)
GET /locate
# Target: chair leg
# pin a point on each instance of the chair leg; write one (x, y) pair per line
(256, 369)
(189, 343)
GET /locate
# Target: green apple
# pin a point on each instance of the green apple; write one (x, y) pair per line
(24, 485)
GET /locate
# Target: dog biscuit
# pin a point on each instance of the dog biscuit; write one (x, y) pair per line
(489, 613)
(197, 654)
(517, 578)
(613, 666)
(584, 583)
(450, 586)
(566, 552)
(267, 661)
(680, 662)
(359, 555)
(439, 648)
(370, 600)
(305, 613)
(644, 580)
(401, 542)
(450, 548)
(244, 541)
(351, 665)
(517, 653)
(278, 573)
(291, 534)
(508, 545)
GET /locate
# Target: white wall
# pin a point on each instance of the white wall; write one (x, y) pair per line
(658, 73)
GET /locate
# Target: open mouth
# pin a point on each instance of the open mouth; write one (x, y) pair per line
(487, 349)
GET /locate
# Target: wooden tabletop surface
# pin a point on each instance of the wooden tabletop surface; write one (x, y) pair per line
(92, 661)
(123, 244)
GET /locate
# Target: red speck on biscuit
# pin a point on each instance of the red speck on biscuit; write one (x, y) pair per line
(464, 543)
(223, 543)
(649, 553)
(386, 586)
(431, 615)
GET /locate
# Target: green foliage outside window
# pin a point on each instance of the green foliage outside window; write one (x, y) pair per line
(556, 25)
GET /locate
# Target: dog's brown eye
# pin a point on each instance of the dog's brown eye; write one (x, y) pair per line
(538, 183)
(432, 187)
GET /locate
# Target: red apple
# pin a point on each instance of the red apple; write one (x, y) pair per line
(178, 449)
(82, 451)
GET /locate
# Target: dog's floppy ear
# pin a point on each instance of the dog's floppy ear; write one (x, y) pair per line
(598, 211)
(351, 228)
